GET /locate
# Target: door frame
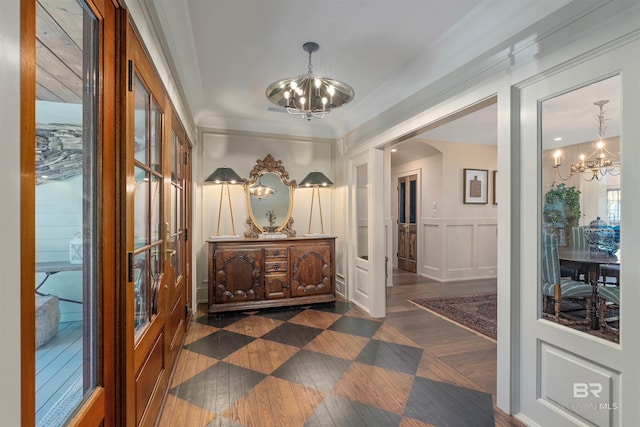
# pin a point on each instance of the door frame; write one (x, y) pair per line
(367, 286)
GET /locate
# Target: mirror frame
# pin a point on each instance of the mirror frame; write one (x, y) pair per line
(269, 164)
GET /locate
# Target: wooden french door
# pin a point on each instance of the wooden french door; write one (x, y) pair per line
(407, 228)
(179, 247)
(69, 175)
(148, 259)
(157, 298)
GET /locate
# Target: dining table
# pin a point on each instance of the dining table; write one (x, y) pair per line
(587, 260)
(590, 261)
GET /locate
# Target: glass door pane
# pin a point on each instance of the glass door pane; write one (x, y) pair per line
(67, 208)
(147, 208)
(580, 217)
(363, 211)
(177, 205)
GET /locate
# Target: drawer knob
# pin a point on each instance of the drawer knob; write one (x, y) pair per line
(276, 266)
(276, 253)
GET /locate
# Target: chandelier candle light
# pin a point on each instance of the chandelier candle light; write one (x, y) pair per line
(308, 95)
(600, 165)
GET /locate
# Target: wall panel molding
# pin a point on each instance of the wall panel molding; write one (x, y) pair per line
(459, 248)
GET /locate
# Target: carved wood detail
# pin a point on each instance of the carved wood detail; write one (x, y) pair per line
(238, 275)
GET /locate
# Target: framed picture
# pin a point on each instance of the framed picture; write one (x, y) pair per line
(475, 186)
(493, 185)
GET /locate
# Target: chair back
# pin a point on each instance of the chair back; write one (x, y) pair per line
(550, 259)
(577, 238)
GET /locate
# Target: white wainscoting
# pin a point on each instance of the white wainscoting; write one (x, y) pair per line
(362, 286)
(458, 248)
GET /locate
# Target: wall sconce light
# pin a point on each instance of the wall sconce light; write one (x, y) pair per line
(225, 176)
(316, 180)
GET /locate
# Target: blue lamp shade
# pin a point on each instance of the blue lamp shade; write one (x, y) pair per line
(224, 176)
(316, 179)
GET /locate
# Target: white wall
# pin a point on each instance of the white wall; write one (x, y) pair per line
(240, 151)
(455, 158)
(456, 241)
(58, 219)
(10, 212)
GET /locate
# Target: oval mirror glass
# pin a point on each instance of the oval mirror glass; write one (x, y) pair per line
(269, 199)
(270, 202)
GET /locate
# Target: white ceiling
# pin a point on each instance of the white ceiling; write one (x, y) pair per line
(225, 53)
(570, 116)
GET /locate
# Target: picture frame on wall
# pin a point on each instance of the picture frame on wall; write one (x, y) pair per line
(475, 186)
(493, 185)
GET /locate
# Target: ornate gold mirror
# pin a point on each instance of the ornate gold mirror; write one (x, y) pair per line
(269, 199)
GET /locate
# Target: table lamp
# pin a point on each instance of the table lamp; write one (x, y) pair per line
(225, 176)
(316, 180)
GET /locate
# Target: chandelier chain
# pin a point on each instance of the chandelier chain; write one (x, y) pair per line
(602, 122)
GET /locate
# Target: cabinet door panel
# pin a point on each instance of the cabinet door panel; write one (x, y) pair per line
(311, 271)
(276, 286)
(238, 274)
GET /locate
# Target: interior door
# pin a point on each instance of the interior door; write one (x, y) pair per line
(569, 375)
(150, 257)
(407, 228)
(177, 239)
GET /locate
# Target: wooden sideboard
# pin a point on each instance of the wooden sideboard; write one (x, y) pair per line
(259, 273)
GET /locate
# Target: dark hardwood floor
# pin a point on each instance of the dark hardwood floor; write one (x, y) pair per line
(333, 365)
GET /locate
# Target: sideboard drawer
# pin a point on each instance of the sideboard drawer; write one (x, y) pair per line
(275, 266)
(275, 253)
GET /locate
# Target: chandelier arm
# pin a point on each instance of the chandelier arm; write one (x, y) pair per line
(559, 176)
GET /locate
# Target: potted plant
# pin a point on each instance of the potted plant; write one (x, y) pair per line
(562, 210)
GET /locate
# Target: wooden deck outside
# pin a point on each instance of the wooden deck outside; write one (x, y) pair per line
(58, 370)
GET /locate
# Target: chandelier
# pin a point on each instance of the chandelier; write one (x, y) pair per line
(597, 165)
(309, 96)
(260, 191)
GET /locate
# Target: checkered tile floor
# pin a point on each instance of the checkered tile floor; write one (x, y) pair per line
(323, 365)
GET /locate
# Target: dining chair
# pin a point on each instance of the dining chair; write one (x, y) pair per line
(608, 298)
(578, 241)
(558, 289)
(609, 273)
